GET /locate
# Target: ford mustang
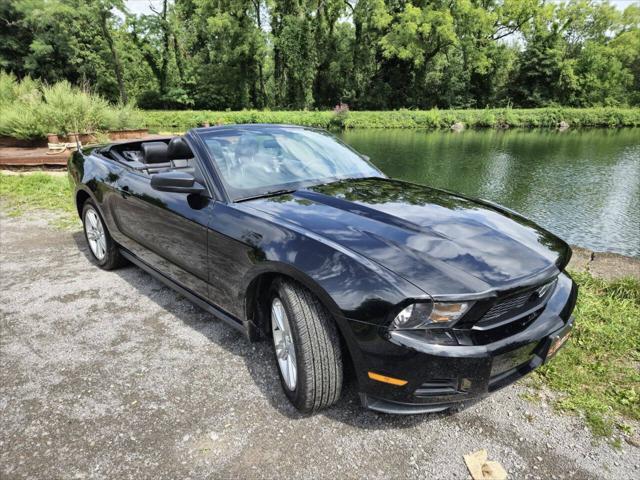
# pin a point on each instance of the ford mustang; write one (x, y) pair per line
(285, 233)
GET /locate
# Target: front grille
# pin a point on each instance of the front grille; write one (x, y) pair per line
(516, 305)
(506, 305)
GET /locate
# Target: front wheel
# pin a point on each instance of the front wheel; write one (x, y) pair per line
(104, 250)
(307, 347)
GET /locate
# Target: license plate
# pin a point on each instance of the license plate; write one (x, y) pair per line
(510, 360)
(557, 343)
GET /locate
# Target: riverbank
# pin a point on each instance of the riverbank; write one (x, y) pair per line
(417, 119)
(604, 265)
(31, 127)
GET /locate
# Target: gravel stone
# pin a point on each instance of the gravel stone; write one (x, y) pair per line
(113, 375)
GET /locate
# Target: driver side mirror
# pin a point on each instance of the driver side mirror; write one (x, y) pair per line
(179, 182)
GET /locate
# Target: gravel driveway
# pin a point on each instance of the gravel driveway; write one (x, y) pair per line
(113, 375)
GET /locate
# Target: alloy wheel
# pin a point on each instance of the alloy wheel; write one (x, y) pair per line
(283, 342)
(95, 234)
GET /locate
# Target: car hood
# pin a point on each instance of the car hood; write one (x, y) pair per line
(445, 244)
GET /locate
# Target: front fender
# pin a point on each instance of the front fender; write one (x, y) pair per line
(288, 270)
(350, 286)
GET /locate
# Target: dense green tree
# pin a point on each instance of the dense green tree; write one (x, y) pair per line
(15, 38)
(578, 54)
(226, 47)
(295, 52)
(74, 40)
(305, 54)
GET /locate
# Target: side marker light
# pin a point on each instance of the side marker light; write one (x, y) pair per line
(384, 379)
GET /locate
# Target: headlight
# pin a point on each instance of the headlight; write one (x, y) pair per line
(419, 316)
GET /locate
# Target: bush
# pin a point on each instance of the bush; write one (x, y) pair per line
(30, 109)
(26, 91)
(123, 117)
(425, 119)
(23, 123)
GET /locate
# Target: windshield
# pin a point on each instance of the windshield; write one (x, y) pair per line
(256, 161)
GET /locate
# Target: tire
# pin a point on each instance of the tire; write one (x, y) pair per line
(104, 251)
(315, 343)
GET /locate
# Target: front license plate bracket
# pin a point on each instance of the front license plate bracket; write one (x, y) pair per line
(556, 344)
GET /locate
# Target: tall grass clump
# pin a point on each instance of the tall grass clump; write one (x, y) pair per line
(30, 109)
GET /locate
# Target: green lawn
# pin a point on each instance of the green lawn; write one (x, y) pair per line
(39, 191)
(597, 373)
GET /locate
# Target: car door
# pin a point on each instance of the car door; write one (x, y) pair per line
(166, 230)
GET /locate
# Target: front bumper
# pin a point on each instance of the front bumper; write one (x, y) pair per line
(439, 377)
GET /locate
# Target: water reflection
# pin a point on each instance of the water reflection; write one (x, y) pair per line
(581, 185)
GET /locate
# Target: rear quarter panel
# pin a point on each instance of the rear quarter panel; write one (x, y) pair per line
(96, 175)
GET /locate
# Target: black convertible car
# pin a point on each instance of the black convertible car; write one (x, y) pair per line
(285, 232)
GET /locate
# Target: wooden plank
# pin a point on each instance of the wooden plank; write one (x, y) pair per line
(31, 157)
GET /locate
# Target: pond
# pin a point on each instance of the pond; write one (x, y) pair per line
(582, 185)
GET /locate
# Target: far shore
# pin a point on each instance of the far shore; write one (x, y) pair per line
(559, 118)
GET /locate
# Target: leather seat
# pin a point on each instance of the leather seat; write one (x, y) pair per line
(154, 152)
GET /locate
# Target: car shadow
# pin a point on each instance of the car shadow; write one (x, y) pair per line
(259, 358)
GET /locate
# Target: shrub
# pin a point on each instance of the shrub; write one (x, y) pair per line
(123, 117)
(67, 109)
(29, 109)
(26, 91)
(340, 115)
(22, 123)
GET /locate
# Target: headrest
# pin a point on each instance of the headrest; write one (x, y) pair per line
(154, 152)
(271, 143)
(178, 149)
(247, 147)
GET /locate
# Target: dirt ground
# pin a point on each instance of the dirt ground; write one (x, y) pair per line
(113, 375)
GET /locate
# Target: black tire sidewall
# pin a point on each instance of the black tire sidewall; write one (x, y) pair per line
(296, 395)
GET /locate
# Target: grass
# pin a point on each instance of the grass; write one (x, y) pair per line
(39, 191)
(411, 119)
(598, 371)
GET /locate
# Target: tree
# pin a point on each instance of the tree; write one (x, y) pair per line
(294, 51)
(104, 13)
(302, 54)
(226, 45)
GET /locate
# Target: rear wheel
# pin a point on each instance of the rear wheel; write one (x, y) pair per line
(104, 250)
(307, 347)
